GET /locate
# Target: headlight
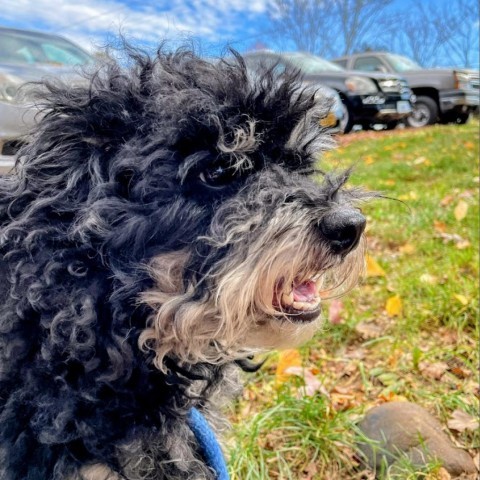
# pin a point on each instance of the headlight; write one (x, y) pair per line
(9, 85)
(361, 85)
(462, 81)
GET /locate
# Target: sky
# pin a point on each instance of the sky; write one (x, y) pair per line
(94, 24)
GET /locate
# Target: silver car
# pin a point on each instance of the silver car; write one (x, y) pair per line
(27, 56)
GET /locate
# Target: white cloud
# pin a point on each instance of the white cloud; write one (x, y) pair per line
(89, 21)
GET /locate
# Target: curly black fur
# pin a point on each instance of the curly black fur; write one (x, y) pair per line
(109, 180)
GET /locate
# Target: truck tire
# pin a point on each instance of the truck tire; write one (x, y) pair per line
(462, 118)
(346, 123)
(425, 112)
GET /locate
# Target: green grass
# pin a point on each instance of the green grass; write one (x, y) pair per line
(430, 259)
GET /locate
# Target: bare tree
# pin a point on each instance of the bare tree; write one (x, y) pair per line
(308, 24)
(419, 35)
(439, 33)
(360, 21)
(330, 27)
(459, 30)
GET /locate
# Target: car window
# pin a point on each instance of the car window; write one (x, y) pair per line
(402, 64)
(310, 64)
(257, 62)
(342, 63)
(29, 48)
(368, 64)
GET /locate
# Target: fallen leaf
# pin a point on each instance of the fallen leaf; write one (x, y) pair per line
(369, 330)
(391, 397)
(310, 471)
(390, 182)
(469, 145)
(312, 383)
(439, 227)
(433, 370)
(394, 306)
(441, 474)
(462, 244)
(419, 160)
(447, 200)
(428, 279)
(461, 298)
(286, 359)
(460, 372)
(373, 268)
(407, 248)
(368, 160)
(335, 311)
(461, 421)
(461, 210)
(451, 237)
(476, 461)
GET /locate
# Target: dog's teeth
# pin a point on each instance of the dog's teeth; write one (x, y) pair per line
(287, 299)
(306, 305)
(319, 282)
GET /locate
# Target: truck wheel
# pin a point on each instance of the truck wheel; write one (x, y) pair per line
(425, 112)
(462, 118)
(346, 123)
(392, 125)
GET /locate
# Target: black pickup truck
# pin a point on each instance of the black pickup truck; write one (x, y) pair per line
(445, 95)
(368, 99)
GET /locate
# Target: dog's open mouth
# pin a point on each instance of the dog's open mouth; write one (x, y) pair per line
(300, 301)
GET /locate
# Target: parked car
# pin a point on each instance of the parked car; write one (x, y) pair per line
(366, 98)
(446, 94)
(27, 56)
(333, 119)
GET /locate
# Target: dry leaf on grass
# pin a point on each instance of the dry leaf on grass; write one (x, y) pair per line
(461, 210)
(461, 298)
(312, 383)
(439, 227)
(441, 474)
(433, 370)
(373, 268)
(310, 471)
(369, 330)
(286, 359)
(394, 306)
(461, 421)
(428, 279)
(407, 248)
(447, 200)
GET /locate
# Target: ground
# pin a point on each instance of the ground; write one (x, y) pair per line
(408, 332)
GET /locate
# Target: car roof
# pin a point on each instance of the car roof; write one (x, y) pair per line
(31, 32)
(362, 54)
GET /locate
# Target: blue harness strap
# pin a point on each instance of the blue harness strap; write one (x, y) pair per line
(209, 446)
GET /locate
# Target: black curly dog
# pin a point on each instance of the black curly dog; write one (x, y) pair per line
(161, 227)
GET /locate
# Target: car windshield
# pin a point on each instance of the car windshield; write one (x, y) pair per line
(30, 48)
(402, 64)
(310, 64)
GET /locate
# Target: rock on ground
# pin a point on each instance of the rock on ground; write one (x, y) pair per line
(403, 429)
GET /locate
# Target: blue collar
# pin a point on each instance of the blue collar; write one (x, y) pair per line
(209, 446)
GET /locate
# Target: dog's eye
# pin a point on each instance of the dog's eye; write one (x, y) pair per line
(217, 176)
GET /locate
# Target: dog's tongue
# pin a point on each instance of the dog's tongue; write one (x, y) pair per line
(305, 292)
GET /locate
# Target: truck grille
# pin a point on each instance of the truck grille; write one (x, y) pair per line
(394, 85)
(474, 81)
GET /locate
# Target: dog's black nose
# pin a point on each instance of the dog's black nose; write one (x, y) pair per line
(343, 228)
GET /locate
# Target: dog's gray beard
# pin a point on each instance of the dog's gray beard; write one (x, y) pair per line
(240, 316)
